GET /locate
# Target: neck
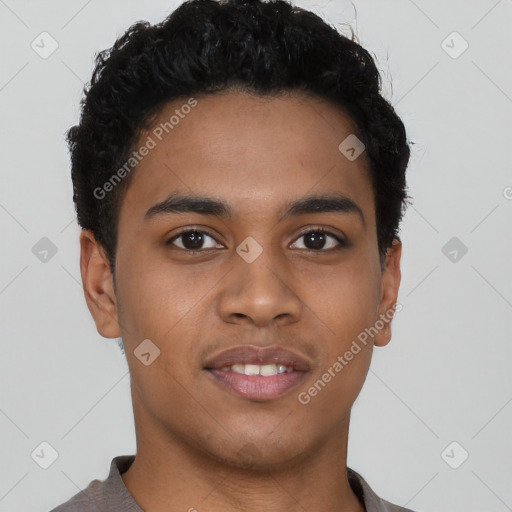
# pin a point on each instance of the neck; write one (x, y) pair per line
(170, 475)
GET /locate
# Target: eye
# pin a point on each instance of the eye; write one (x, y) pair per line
(317, 240)
(320, 240)
(192, 240)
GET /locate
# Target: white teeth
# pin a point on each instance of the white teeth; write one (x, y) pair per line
(252, 369)
(266, 370)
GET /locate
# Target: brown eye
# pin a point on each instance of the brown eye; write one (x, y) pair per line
(320, 240)
(193, 240)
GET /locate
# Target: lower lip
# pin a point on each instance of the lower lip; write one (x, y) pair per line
(256, 387)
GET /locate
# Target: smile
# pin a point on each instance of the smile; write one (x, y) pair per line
(265, 370)
(255, 382)
(257, 373)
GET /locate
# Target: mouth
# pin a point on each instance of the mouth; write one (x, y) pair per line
(257, 373)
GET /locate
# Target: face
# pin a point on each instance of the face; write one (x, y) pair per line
(259, 267)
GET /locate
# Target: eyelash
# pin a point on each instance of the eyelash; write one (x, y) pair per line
(342, 243)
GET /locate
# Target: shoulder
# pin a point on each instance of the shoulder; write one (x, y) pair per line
(372, 502)
(86, 500)
(108, 494)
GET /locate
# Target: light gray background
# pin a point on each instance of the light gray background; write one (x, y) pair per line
(446, 374)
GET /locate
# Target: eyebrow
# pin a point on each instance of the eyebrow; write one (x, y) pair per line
(178, 203)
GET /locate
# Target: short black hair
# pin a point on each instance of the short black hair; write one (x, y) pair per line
(209, 46)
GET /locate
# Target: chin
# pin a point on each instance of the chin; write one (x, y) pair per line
(258, 456)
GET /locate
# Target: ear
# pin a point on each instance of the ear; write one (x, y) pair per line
(98, 284)
(390, 282)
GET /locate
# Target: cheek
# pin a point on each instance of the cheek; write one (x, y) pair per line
(344, 305)
(155, 299)
(334, 390)
(344, 301)
(167, 307)
(346, 349)
(163, 307)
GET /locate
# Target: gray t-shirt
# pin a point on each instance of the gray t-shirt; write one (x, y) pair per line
(111, 495)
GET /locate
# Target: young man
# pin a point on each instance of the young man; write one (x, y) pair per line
(240, 181)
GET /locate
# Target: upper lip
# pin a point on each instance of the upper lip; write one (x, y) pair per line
(250, 354)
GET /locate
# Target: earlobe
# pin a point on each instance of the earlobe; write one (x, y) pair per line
(98, 285)
(390, 283)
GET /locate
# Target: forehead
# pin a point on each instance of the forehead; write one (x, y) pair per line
(256, 152)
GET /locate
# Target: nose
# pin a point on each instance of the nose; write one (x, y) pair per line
(260, 293)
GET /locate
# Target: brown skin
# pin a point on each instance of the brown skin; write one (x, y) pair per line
(199, 445)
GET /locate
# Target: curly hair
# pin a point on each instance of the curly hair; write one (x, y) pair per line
(209, 46)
